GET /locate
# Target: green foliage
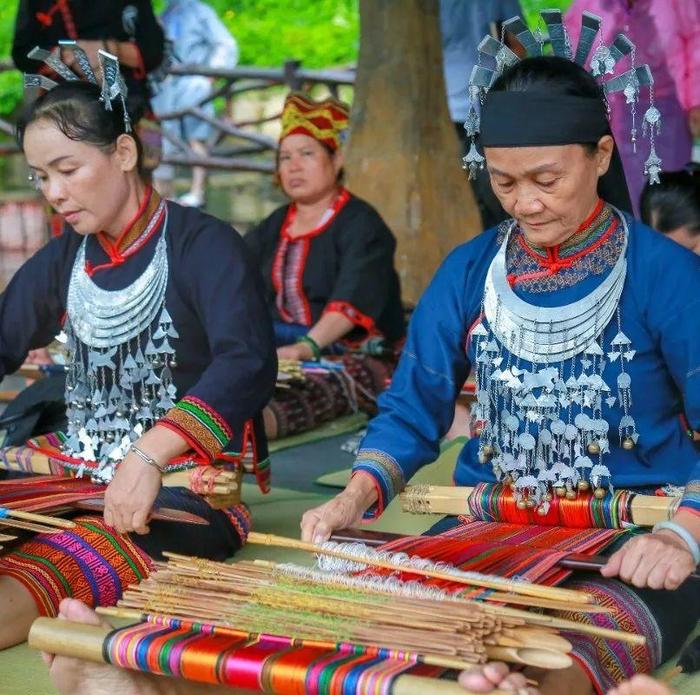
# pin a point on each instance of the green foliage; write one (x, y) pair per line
(10, 81)
(320, 33)
(531, 9)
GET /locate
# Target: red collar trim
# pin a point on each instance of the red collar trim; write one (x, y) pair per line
(145, 223)
(338, 204)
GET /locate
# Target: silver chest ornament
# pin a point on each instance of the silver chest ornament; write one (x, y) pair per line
(541, 424)
(119, 379)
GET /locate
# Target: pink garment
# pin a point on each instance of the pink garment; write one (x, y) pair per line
(667, 36)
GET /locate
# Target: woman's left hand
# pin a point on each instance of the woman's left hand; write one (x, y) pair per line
(656, 560)
(129, 497)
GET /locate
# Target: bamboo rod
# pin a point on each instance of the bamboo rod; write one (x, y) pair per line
(29, 526)
(567, 625)
(543, 622)
(82, 641)
(646, 510)
(552, 593)
(37, 518)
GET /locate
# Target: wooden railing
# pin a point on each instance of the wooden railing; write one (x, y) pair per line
(235, 145)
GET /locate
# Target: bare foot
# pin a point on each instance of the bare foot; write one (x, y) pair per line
(77, 677)
(484, 679)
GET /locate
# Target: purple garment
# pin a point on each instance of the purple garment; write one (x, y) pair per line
(665, 33)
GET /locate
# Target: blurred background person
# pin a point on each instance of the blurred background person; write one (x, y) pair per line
(673, 206)
(198, 38)
(126, 28)
(463, 24)
(667, 37)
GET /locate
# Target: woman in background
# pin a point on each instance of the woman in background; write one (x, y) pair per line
(327, 259)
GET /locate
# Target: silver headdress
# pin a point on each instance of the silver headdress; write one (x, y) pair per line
(603, 62)
(113, 85)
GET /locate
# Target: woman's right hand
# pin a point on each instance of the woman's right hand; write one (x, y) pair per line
(346, 509)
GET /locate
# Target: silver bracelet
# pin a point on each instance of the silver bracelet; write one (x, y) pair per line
(146, 458)
(683, 533)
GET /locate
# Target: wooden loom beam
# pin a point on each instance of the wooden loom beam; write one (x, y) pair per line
(82, 641)
(646, 510)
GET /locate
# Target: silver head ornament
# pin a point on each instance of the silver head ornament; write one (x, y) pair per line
(603, 61)
(112, 87)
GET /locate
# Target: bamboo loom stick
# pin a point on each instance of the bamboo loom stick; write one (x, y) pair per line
(516, 587)
(543, 622)
(540, 621)
(646, 510)
(29, 526)
(446, 629)
(82, 641)
(36, 518)
(499, 597)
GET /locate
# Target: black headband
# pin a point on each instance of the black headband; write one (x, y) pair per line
(523, 119)
(526, 119)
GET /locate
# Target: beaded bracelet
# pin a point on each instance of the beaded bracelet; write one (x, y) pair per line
(315, 349)
(683, 533)
(146, 458)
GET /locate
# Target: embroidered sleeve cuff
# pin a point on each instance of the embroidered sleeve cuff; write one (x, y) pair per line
(352, 314)
(200, 425)
(691, 497)
(387, 474)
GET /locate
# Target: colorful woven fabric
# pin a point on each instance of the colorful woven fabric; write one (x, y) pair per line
(203, 428)
(495, 502)
(608, 662)
(592, 250)
(45, 492)
(268, 664)
(239, 516)
(89, 563)
(325, 121)
(387, 476)
(529, 552)
(327, 394)
(691, 497)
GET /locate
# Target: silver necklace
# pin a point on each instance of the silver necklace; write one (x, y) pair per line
(102, 318)
(545, 334)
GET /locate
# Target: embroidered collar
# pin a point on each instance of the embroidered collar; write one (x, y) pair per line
(136, 233)
(592, 232)
(325, 221)
(593, 249)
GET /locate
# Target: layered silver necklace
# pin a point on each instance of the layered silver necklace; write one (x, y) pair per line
(119, 379)
(542, 426)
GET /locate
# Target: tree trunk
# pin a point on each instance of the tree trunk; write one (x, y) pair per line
(403, 153)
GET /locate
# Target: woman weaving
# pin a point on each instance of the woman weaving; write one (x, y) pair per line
(582, 328)
(554, 167)
(171, 357)
(327, 260)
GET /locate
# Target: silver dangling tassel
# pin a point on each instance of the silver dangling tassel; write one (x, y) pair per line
(652, 124)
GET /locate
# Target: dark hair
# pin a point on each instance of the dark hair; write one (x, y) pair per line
(551, 74)
(676, 201)
(76, 110)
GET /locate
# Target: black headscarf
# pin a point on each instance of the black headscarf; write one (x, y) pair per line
(535, 117)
